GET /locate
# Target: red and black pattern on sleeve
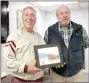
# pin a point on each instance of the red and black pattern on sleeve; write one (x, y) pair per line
(12, 45)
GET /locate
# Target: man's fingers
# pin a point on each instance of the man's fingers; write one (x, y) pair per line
(62, 65)
(33, 69)
(38, 69)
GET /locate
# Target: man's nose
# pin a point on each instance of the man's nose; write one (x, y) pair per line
(29, 17)
(64, 14)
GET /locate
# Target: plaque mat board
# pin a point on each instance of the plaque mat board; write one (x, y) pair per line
(48, 55)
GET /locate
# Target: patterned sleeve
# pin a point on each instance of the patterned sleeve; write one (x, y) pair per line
(85, 39)
(12, 62)
(46, 36)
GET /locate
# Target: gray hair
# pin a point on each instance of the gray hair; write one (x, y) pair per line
(60, 7)
(28, 7)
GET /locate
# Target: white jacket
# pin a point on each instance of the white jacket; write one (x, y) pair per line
(21, 52)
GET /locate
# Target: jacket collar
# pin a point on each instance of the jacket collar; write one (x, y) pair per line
(73, 24)
(56, 29)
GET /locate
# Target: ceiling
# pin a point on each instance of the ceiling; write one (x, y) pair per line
(52, 6)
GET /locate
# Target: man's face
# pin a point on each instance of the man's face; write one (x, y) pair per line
(29, 19)
(63, 16)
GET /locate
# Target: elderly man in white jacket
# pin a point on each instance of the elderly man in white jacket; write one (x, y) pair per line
(20, 46)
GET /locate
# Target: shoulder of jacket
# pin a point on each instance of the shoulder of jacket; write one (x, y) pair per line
(53, 25)
(76, 24)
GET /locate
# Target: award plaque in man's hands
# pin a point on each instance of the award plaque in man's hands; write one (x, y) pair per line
(48, 55)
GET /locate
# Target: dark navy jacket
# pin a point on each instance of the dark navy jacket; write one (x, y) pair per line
(74, 54)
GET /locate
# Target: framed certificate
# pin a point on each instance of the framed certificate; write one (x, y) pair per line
(48, 55)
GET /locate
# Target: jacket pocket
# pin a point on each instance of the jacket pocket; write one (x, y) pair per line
(76, 56)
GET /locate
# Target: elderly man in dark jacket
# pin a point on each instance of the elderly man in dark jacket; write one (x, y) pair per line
(74, 40)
